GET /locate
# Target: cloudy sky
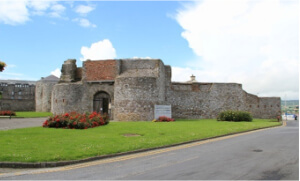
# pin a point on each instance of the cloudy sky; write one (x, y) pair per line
(255, 43)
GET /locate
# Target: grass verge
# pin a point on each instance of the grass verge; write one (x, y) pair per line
(32, 114)
(48, 144)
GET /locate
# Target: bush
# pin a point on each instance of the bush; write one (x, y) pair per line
(235, 116)
(75, 120)
(7, 113)
(164, 119)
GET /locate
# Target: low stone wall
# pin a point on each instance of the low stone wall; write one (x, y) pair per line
(17, 104)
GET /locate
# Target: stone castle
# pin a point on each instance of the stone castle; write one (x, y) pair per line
(128, 89)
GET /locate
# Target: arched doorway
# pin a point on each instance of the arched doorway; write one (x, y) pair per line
(101, 102)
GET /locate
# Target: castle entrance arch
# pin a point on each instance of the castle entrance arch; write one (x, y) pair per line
(101, 102)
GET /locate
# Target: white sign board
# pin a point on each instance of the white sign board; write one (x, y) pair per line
(162, 110)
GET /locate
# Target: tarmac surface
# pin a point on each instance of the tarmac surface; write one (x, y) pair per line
(15, 123)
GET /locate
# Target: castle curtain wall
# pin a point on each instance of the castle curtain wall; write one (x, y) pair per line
(204, 100)
(135, 86)
(207, 100)
(263, 107)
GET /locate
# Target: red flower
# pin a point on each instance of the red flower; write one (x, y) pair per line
(45, 124)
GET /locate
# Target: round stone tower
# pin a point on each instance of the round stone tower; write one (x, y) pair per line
(43, 93)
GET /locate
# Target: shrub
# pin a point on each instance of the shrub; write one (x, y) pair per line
(75, 120)
(7, 113)
(164, 119)
(235, 116)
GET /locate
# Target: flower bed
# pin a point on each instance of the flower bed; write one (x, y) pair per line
(164, 119)
(7, 113)
(75, 120)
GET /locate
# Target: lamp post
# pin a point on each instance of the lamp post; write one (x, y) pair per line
(285, 107)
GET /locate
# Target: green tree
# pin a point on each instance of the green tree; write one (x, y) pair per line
(2, 65)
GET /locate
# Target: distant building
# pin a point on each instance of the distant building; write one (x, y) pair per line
(21, 95)
(17, 95)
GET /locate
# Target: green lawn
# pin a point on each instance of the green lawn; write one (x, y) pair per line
(32, 114)
(49, 144)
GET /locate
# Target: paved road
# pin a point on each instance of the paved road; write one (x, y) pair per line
(14, 123)
(271, 154)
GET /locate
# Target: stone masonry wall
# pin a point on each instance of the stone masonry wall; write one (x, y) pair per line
(43, 92)
(204, 100)
(68, 97)
(17, 104)
(137, 89)
(263, 107)
(207, 100)
(135, 86)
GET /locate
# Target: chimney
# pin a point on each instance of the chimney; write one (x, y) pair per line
(193, 78)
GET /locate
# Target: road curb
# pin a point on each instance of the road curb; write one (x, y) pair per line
(71, 162)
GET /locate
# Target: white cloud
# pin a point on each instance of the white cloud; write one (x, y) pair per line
(13, 12)
(84, 9)
(99, 50)
(250, 42)
(40, 5)
(57, 10)
(84, 23)
(56, 72)
(141, 58)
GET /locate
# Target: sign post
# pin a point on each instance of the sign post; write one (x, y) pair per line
(162, 110)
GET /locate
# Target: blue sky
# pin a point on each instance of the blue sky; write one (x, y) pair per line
(135, 29)
(255, 43)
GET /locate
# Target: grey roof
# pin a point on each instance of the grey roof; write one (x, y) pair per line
(50, 78)
(29, 82)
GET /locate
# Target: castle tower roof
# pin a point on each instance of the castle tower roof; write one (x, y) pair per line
(50, 78)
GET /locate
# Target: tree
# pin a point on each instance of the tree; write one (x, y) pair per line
(2, 65)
